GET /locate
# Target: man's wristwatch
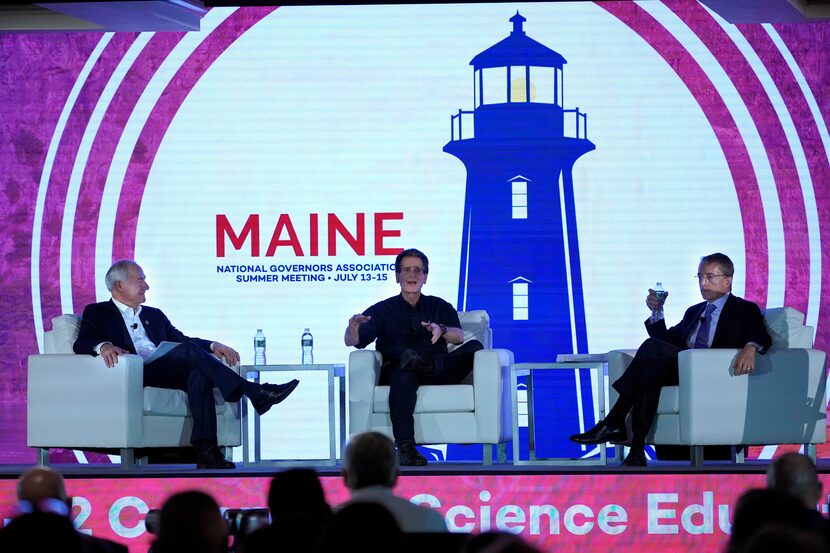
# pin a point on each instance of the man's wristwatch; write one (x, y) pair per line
(443, 328)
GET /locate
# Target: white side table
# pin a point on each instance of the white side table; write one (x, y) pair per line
(527, 369)
(335, 372)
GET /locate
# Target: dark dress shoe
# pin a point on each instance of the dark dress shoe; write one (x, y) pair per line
(636, 458)
(599, 434)
(409, 456)
(212, 458)
(271, 394)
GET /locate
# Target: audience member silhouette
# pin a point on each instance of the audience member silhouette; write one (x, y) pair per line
(796, 474)
(299, 515)
(42, 490)
(498, 542)
(190, 522)
(40, 532)
(757, 509)
(370, 471)
(364, 527)
(775, 538)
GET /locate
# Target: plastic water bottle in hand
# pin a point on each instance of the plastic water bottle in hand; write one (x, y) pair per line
(307, 342)
(661, 294)
(259, 348)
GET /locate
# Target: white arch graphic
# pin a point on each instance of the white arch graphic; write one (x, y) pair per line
(749, 134)
(44, 182)
(129, 138)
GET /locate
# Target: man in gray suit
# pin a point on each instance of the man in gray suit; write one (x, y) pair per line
(370, 471)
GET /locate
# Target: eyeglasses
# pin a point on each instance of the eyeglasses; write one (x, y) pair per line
(708, 277)
(412, 271)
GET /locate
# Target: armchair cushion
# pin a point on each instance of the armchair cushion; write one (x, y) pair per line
(173, 403)
(64, 333)
(786, 327)
(476, 326)
(458, 398)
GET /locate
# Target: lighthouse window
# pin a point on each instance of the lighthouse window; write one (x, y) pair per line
(521, 309)
(494, 81)
(542, 85)
(518, 84)
(519, 199)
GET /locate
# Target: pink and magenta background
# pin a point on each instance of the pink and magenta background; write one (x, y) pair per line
(37, 73)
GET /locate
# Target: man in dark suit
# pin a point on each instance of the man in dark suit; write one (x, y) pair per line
(122, 325)
(722, 321)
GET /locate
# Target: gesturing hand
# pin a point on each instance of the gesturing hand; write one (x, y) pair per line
(435, 329)
(358, 320)
(352, 335)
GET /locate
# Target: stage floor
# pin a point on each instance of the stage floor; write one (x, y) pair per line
(103, 470)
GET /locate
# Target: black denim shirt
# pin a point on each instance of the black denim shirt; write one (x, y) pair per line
(396, 326)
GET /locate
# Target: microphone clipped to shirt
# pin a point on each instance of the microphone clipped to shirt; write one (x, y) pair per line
(134, 326)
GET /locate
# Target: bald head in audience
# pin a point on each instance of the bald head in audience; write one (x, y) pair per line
(39, 485)
(43, 500)
(796, 475)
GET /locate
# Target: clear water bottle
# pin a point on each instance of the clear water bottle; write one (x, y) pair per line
(661, 294)
(307, 342)
(259, 347)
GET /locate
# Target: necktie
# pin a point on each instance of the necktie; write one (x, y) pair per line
(702, 339)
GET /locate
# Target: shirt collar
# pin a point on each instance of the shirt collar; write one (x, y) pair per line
(721, 301)
(126, 309)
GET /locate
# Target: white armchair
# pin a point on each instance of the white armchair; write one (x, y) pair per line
(77, 402)
(783, 401)
(476, 411)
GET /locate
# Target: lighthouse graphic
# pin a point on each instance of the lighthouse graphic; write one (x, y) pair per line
(520, 250)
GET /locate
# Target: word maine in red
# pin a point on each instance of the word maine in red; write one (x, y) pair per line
(284, 234)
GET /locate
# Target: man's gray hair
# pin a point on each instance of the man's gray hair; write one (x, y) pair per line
(370, 460)
(118, 271)
(722, 260)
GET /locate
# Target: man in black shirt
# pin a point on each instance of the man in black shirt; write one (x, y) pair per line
(412, 332)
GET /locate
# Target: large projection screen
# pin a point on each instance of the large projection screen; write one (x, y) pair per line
(265, 170)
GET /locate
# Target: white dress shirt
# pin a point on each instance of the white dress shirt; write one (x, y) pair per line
(132, 319)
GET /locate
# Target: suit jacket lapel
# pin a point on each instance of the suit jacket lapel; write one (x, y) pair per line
(150, 327)
(724, 321)
(125, 332)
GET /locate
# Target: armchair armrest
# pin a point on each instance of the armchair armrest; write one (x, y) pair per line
(364, 374)
(782, 401)
(491, 390)
(77, 401)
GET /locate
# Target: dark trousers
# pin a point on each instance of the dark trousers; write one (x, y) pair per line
(654, 366)
(450, 368)
(190, 368)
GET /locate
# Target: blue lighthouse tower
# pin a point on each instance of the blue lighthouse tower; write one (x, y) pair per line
(520, 250)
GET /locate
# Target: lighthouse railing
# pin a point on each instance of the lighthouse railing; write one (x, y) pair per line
(576, 121)
(459, 122)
